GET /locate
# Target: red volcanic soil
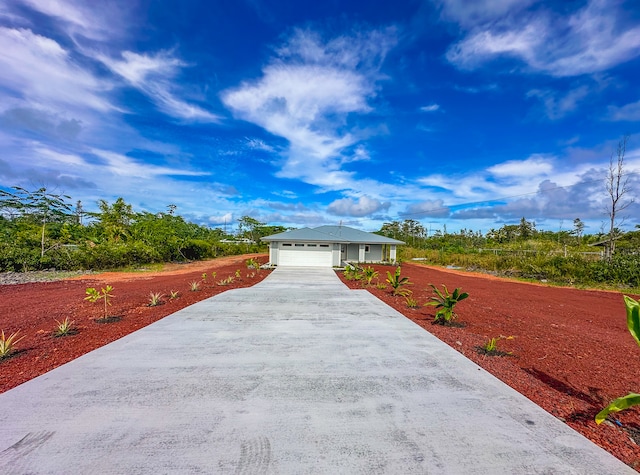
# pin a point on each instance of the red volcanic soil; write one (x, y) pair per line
(33, 308)
(571, 353)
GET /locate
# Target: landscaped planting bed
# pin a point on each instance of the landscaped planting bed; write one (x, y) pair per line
(33, 309)
(571, 351)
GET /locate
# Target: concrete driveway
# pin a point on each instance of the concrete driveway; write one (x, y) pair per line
(297, 374)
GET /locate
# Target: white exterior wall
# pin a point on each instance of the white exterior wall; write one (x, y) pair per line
(355, 252)
(337, 258)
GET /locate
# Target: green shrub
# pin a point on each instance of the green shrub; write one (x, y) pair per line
(445, 303)
(397, 283)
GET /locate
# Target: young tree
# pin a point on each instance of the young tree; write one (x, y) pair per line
(617, 185)
(248, 227)
(115, 219)
(40, 204)
(578, 229)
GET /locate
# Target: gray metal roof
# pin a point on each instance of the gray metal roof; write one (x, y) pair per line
(341, 234)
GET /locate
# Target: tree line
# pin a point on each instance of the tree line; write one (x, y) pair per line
(521, 250)
(520, 235)
(42, 230)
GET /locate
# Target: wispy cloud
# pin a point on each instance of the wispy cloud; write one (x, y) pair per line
(628, 112)
(154, 75)
(257, 144)
(123, 165)
(95, 20)
(591, 40)
(305, 95)
(40, 73)
(469, 13)
(558, 105)
(535, 165)
(430, 108)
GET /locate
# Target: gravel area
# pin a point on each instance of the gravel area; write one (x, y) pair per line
(7, 278)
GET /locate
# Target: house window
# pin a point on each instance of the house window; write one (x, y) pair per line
(312, 245)
(367, 248)
(324, 245)
(299, 245)
(286, 244)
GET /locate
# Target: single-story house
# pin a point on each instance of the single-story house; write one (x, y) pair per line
(329, 246)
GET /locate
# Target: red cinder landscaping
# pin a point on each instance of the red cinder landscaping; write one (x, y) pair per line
(571, 353)
(33, 308)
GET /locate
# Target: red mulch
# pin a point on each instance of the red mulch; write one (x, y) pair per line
(571, 353)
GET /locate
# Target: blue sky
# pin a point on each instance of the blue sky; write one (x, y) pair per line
(464, 113)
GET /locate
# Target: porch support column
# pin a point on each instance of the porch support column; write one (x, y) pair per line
(361, 253)
(392, 253)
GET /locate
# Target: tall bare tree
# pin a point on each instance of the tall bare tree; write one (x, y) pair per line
(617, 184)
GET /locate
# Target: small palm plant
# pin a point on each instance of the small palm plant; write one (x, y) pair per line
(351, 273)
(65, 328)
(104, 294)
(174, 294)
(397, 283)
(155, 299)
(194, 286)
(411, 302)
(369, 273)
(7, 344)
(490, 348)
(445, 303)
(631, 399)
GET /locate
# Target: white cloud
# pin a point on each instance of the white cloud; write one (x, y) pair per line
(364, 206)
(154, 76)
(222, 219)
(591, 40)
(305, 96)
(430, 108)
(509, 178)
(122, 165)
(557, 106)
(469, 13)
(257, 144)
(483, 46)
(41, 73)
(94, 20)
(539, 187)
(535, 165)
(66, 159)
(629, 112)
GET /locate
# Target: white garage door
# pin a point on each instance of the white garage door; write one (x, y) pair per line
(306, 255)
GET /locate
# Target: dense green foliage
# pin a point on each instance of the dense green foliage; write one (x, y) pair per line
(564, 257)
(40, 230)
